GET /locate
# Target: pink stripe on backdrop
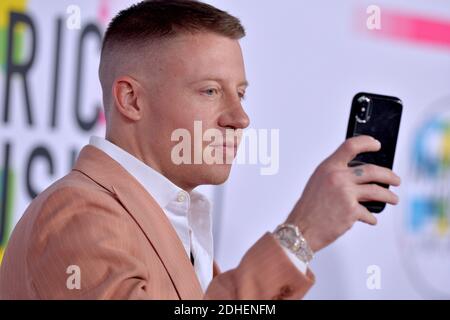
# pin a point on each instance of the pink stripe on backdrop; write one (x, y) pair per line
(412, 28)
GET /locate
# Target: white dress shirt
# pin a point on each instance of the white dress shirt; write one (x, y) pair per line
(189, 213)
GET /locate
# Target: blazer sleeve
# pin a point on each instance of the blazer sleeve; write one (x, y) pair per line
(86, 230)
(264, 273)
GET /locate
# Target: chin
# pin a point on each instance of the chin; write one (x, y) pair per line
(215, 174)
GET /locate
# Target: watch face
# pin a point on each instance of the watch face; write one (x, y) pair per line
(288, 237)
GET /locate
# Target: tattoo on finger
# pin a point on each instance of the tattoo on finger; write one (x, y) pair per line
(358, 172)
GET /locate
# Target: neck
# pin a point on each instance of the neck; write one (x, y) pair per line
(137, 152)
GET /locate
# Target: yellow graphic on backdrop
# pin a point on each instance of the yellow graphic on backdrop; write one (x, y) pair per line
(6, 6)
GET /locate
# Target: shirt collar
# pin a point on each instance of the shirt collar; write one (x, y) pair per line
(160, 188)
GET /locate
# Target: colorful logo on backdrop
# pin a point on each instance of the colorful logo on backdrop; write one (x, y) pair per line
(6, 6)
(426, 223)
(44, 123)
(7, 179)
(7, 176)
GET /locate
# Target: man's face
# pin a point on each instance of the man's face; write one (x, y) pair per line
(198, 77)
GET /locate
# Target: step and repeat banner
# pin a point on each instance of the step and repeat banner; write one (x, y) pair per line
(305, 60)
(49, 93)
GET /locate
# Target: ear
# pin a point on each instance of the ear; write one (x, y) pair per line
(125, 92)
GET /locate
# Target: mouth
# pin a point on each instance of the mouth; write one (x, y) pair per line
(227, 147)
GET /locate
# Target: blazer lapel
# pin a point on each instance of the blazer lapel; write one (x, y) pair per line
(147, 214)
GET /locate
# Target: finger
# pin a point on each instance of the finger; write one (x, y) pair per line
(367, 217)
(373, 192)
(370, 173)
(354, 146)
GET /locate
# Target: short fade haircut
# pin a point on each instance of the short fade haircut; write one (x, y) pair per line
(157, 19)
(152, 20)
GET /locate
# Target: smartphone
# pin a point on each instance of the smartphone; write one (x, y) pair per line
(377, 116)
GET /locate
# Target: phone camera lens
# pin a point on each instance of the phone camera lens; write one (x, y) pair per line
(363, 114)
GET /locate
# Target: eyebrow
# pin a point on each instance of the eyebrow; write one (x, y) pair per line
(242, 83)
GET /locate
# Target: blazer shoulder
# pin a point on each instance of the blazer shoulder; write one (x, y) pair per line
(74, 196)
(74, 222)
(74, 193)
(74, 182)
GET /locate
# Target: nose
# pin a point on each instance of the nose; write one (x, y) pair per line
(234, 117)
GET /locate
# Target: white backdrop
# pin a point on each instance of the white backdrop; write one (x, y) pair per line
(305, 60)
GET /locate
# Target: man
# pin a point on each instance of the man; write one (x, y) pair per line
(125, 223)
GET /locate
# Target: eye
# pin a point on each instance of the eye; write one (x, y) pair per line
(241, 95)
(211, 91)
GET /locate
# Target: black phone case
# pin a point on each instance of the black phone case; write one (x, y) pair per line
(383, 124)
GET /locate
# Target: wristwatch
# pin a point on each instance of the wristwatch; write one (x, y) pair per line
(290, 237)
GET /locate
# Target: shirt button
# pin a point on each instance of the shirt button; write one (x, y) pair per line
(181, 197)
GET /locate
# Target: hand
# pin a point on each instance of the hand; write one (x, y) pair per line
(329, 205)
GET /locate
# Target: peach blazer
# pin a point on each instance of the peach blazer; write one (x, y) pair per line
(101, 220)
